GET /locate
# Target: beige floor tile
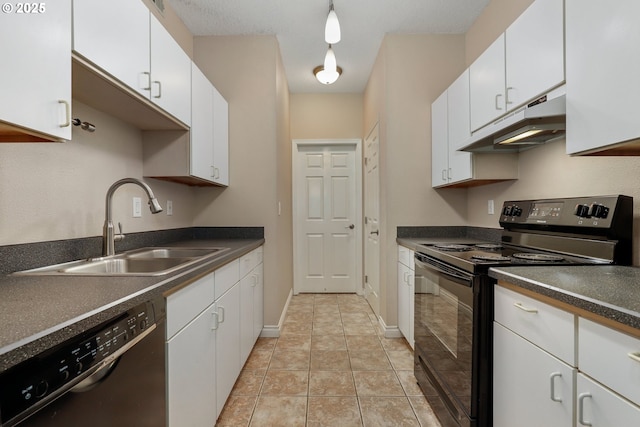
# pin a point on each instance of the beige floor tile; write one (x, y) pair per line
(387, 412)
(290, 360)
(359, 329)
(331, 309)
(401, 360)
(330, 360)
(326, 317)
(377, 383)
(237, 411)
(265, 344)
(328, 342)
(359, 317)
(259, 359)
(327, 328)
(331, 383)
(248, 383)
(369, 360)
(424, 411)
(299, 317)
(285, 383)
(363, 343)
(409, 383)
(278, 411)
(295, 328)
(322, 299)
(294, 342)
(395, 344)
(333, 411)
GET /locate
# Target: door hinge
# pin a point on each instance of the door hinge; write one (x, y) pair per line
(366, 279)
(366, 161)
(366, 220)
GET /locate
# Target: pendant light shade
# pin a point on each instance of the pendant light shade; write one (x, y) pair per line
(326, 77)
(330, 63)
(332, 28)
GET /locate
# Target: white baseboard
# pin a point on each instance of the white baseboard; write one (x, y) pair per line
(389, 331)
(273, 331)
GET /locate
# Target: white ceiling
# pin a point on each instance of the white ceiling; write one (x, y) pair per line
(299, 27)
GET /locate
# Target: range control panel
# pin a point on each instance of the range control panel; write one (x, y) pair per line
(590, 212)
(44, 377)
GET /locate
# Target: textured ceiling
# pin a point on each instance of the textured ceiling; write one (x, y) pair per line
(299, 27)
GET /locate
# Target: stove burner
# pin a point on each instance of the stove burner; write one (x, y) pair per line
(538, 257)
(490, 257)
(489, 246)
(453, 248)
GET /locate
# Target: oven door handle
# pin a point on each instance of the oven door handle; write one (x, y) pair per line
(450, 273)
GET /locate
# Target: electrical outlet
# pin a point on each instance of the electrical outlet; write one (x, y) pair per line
(169, 208)
(490, 207)
(137, 207)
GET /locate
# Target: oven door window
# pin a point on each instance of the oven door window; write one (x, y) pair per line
(444, 330)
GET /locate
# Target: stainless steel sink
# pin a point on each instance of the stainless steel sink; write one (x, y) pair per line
(139, 262)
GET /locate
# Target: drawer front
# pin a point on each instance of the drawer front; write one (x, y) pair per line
(184, 305)
(405, 256)
(547, 327)
(249, 261)
(226, 276)
(610, 357)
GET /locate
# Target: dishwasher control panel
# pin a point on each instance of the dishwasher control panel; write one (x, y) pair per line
(68, 366)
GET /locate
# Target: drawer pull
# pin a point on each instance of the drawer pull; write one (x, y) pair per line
(523, 308)
(581, 419)
(634, 355)
(215, 323)
(553, 387)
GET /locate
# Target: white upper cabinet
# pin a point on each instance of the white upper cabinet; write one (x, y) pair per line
(126, 41)
(201, 125)
(524, 62)
(487, 85)
(114, 36)
(603, 66)
(534, 52)
(170, 73)
(35, 75)
(439, 142)
(220, 139)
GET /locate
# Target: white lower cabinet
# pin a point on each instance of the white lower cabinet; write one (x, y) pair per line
(531, 387)
(553, 368)
(406, 297)
(228, 349)
(251, 311)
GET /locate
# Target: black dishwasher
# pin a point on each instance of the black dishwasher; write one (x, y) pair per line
(111, 375)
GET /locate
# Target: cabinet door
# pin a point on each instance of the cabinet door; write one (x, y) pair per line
(227, 344)
(487, 85)
(439, 141)
(459, 129)
(201, 125)
(220, 138)
(600, 407)
(603, 89)
(170, 73)
(36, 69)
(114, 35)
(247, 284)
(258, 302)
(191, 378)
(535, 52)
(531, 388)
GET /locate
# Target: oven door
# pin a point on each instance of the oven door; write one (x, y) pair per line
(445, 338)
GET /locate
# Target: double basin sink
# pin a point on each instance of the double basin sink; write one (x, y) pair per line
(150, 261)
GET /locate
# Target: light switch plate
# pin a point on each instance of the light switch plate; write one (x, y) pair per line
(490, 207)
(137, 207)
(169, 208)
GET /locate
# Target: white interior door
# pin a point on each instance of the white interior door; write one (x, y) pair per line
(326, 218)
(372, 224)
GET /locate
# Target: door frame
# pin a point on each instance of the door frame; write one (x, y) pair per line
(358, 221)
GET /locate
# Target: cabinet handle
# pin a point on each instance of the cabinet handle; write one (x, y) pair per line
(581, 399)
(221, 314)
(216, 173)
(553, 388)
(214, 325)
(444, 174)
(634, 356)
(406, 277)
(523, 308)
(254, 280)
(147, 80)
(67, 112)
(159, 95)
(449, 173)
(507, 96)
(410, 280)
(497, 106)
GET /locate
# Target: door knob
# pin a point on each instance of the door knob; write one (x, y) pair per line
(351, 227)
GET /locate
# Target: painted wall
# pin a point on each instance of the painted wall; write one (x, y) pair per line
(326, 116)
(409, 73)
(247, 71)
(547, 171)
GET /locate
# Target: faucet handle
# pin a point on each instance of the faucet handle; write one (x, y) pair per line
(119, 237)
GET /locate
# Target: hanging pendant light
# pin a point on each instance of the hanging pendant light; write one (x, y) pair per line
(332, 27)
(330, 63)
(330, 72)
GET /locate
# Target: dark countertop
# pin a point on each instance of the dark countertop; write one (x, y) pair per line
(612, 292)
(413, 242)
(39, 312)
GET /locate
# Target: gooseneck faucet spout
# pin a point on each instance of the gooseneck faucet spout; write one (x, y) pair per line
(109, 237)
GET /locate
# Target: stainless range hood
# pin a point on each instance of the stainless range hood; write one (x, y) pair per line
(541, 121)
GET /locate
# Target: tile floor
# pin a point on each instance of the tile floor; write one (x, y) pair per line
(330, 367)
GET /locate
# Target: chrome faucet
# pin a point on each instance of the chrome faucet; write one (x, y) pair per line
(109, 236)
